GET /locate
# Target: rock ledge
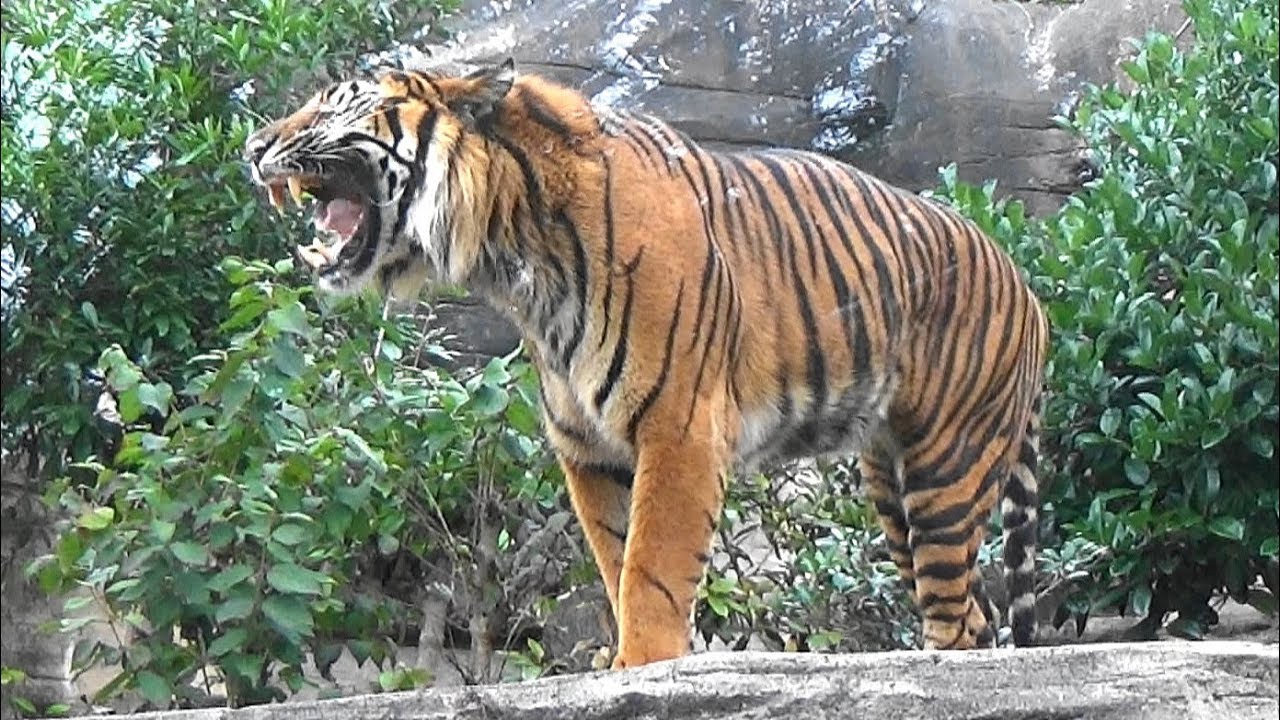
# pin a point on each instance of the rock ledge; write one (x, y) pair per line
(1152, 681)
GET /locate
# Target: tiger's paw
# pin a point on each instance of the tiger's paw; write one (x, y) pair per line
(629, 658)
(969, 632)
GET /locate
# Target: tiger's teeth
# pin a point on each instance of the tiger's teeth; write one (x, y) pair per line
(295, 189)
(312, 255)
(275, 193)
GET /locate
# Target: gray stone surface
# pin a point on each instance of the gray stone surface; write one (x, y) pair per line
(898, 87)
(1155, 681)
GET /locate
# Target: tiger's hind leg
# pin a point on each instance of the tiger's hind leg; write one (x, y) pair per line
(947, 515)
(881, 470)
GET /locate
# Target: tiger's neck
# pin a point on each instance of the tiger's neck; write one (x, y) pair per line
(513, 242)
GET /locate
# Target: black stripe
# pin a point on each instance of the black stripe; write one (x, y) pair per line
(580, 287)
(929, 599)
(617, 535)
(855, 328)
(1019, 494)
(1028, 456)
(660, 586)
(952, 536)
(560, 426)
(941, 571)
(356, 137)
(652, 396)
(890, 308)
(816, 370)
(732, 167)
(943, 518)
(533, 183)
(779, 173)
(704, 285)
(542, 113)
(609, 240)
(620, 349)
(617, 474)
(645, 148)
(706, 350)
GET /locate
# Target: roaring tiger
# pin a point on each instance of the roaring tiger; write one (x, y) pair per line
(694, 313)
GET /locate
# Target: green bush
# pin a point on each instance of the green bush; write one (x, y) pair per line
(801, 565)
(244, 533)
(1160, 280)
(123, 125)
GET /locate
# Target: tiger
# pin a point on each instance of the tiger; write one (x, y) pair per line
(694, 314)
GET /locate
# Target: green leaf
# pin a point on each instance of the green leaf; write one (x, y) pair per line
(1136, 471)
(247, 667)
(235, 394)
(156, 396)
(1227, 527)
(290, 616)
(291, 318)
(229, 578)
(388, 544)
(1215, 433)
(154, 688)
(130, 406)
(288, 358)
(163, 530)
(189, 553)
(1270, 547)
(221, 535)
(295, 579)
(73, 604)
(90, 313)
(236, 607)
(233, 639)
(1109, 421)
(97, 518)
(290, 534)
(523, 418)
(1261, 445)
(1140, 600)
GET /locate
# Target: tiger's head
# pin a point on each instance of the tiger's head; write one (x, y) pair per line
(374, 157)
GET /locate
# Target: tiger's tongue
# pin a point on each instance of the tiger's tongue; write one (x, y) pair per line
(341, 217)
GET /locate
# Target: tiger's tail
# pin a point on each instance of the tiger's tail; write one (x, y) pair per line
(1020, 519)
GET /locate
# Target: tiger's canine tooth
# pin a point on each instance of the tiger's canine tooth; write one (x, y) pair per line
(313, 255)
(295, 189)
(275, 193)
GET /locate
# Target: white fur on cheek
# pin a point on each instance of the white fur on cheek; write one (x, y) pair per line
(426, 215)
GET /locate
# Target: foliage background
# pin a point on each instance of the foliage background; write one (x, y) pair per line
(251, 477)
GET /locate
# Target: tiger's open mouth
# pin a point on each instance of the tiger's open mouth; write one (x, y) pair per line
(338, 215)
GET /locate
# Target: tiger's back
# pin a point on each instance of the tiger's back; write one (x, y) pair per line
(695, 312)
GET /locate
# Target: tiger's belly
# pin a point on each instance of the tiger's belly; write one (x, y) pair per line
(773, 430)
(838, 428)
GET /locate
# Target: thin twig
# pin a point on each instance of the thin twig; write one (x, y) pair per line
(1185, 24)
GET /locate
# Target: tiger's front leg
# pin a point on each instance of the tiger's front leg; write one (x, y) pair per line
(601, 496)
(675, 504)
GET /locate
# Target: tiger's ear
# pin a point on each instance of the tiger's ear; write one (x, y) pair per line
(478, 93)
